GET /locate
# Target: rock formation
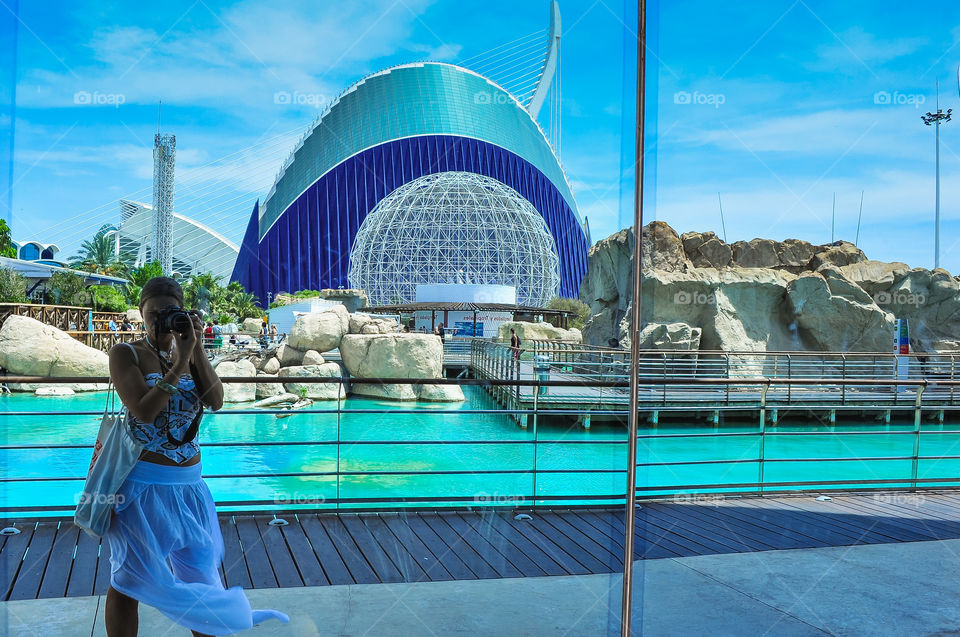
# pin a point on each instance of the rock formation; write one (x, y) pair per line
(539, 331)
(31, 348)
(763, 295)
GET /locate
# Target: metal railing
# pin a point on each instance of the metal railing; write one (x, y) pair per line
(543, 466)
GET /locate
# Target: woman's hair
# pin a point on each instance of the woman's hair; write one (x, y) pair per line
(161, 286)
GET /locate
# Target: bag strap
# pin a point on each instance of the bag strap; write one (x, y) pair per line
(136, 357)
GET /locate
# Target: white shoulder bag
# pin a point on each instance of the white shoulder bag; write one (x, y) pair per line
(114, 455)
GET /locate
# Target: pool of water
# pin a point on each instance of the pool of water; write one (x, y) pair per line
(393, 459)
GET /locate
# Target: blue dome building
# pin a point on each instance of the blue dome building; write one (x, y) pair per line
(382, 133)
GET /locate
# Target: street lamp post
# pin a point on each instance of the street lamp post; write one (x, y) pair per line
(936, 119)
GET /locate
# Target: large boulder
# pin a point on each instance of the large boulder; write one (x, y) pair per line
(316, 391)
(251, 325)
(835, 315)
(440, 393)
(756, 253)
(671, 336)
(705, 250)
(662, 248)
(353, 300)
(392, 355)
(538, 331)
(288, 355)
(312, 357)
(795, 255)
(134, 316)
(31, 348)
(271, 365)
(268, 389)
(839, 254)
(320, 331)
(237, 392)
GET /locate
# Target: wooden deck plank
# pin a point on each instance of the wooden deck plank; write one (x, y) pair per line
(706, 528)
(929, 512)
(876, 531)
(84, 569)
(382, 565)
(757, 529)
(102, 580)
(905, 520)
(513, 561)
(307, 563)
(27, 584)
(771, 522)
(261, 572)
(605, 556)
(11, 557)
(693, 542)
(445, 555)
(275, 546)
(415, 561)
(456, 544)
(813, 524)
(57, 573)
(489, 522)
(551, 548)
(352, 556)
(234, 565)
(333, 564)
(647, 543)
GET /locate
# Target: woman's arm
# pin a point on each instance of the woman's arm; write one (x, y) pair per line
(209, 387)
(140, 400)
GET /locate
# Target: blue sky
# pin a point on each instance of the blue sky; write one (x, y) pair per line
(777, 105)
(89, 76)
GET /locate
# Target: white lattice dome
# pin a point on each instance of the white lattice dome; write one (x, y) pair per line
(454, 227)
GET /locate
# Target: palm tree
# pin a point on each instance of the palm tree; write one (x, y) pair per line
(97, 255)
(203, 291)
(243, 305)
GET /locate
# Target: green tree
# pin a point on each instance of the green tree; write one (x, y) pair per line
(138, 277)
(243, 305)
(13, 286)
(97, 255)
(107, 298)
(68, 288)
(579, 311)
(204, 292)
(7, 249)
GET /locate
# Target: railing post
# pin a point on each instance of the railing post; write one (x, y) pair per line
(789, 376)
(763, 430)
(339, 387)
(536, 394)
(843, 376)
(916, 438)
(727, 384)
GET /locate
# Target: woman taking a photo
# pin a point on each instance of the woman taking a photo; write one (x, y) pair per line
(164, 508)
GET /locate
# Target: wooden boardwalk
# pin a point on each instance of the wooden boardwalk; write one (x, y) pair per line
(52, 558)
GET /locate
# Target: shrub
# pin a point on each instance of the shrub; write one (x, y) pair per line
(13, 286)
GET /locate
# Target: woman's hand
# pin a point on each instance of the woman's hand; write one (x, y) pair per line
(186, 345)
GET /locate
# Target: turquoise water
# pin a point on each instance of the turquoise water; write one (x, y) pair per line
(393, 445)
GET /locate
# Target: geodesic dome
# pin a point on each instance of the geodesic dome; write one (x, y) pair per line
(454, 227)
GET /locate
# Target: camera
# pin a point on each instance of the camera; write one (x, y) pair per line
(174, 319)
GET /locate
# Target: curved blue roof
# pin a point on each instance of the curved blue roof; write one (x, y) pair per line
(421, 99)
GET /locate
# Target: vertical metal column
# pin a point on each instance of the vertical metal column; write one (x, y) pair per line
(627, 597)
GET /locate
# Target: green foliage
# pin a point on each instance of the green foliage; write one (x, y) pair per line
(243, 305)
(7, 249)
(107, 298)
(224, 318)
(68, 288)
(579, 311)
(138, 278)
(204, 292)
(97, 255)
(13, 286)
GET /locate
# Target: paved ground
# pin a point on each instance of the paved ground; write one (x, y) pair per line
(883, 589)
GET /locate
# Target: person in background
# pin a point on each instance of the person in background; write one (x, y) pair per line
(112, 326)
(514, 343)
(273, 333)
(126, 326)
(439, 331)
(208, 335)
(217, 335)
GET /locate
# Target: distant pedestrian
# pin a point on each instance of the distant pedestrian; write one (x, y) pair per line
(112, 326)
(439, 331)
(514, 344)
(217, 335)
(273, 333)
(126, 326)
